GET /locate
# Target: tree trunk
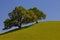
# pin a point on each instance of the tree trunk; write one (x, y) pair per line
(19, 25)
(20, 22)
(36, 21)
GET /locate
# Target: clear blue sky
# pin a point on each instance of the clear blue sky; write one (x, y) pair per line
(50, 7)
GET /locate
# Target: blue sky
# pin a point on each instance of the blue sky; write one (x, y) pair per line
(50, 7)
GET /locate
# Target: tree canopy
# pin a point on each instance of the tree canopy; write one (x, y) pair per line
(20, 16)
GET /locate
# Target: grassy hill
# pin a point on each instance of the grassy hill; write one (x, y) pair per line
(40, 31)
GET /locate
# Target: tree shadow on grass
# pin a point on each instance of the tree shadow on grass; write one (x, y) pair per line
(16, 29)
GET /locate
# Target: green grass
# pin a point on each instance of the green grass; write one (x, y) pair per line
(41, 31)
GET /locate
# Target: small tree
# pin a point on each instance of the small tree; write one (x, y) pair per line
(40, 15)
(20, 16)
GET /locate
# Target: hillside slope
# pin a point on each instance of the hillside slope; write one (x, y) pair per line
(40, 31)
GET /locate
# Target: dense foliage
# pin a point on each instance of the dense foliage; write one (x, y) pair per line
(20, 16)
